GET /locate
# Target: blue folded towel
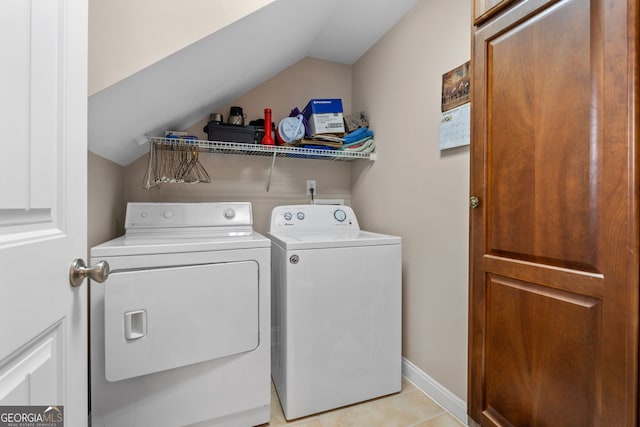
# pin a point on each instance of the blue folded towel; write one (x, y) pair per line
(357, 135)
(367, 147)
(358, 141)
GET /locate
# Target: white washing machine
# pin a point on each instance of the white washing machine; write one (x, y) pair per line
(336, 309)
(180, 330)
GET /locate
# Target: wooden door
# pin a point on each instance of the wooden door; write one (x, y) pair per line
(484, 9)
(43, 110)
(554, 251)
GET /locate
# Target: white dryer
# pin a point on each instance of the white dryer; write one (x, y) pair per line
(336, 309)
(180, 330)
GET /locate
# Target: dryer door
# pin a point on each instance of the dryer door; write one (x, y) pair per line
(164, 318)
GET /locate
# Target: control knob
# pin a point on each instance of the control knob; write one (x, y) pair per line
(339, 215)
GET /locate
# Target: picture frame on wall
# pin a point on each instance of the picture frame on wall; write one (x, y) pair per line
(455, 123)
(456, 87)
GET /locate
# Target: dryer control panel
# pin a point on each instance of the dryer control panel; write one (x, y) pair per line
(313, 218)
(178, 215)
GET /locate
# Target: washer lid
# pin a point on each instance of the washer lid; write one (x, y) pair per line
(332, 240)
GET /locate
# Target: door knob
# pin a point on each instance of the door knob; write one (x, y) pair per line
(474, 202)
(79, 270)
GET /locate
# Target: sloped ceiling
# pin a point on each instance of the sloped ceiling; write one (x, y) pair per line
(179, 90)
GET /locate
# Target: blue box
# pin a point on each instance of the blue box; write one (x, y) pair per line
(324, 116)
(319, 106)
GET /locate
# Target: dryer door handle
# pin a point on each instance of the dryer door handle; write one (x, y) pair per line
(135, 324)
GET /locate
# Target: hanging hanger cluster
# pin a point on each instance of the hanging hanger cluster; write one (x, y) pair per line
(174, 161)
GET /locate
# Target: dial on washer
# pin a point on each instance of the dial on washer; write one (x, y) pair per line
(339, 215)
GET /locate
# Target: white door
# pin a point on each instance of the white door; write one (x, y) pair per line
(43, 108)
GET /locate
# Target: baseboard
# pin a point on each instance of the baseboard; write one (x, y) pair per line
(436, 391)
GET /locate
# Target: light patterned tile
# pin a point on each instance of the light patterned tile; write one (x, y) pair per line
(410, 407)
(277, 417)
(444, 420)
(407, 385)
(399, 410)
(311, 422)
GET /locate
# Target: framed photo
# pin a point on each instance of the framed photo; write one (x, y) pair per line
(455, 87)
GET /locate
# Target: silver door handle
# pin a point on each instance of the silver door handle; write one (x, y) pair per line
(79, 270)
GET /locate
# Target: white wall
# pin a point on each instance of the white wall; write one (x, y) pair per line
(293, 87)
(414, 190)
(244, 178)
(125, 36)
(105, 200)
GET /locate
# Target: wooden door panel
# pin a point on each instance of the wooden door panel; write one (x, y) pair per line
(581, 282)
(553, 332)
(544, 176)
(484, 9)
(541, 344)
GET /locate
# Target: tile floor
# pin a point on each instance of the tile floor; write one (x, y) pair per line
(409, 408)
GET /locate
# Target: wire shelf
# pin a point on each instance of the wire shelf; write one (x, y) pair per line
(265, 150)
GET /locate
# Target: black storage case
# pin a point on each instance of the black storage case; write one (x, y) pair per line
(231, 133)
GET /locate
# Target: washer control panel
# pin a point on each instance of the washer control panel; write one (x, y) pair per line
(313, 218)
(161, 215)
